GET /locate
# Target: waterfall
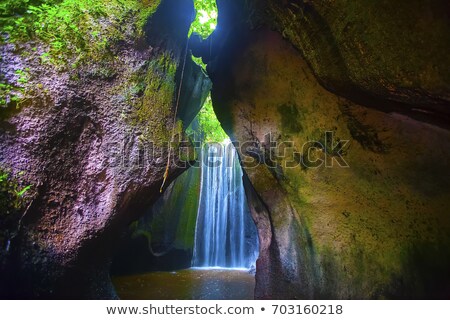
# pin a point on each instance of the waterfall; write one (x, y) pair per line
(225, 235)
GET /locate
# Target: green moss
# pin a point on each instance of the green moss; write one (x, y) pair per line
(72, 33)
(185, 236)
(10, 8)
(76, 30)
(356, 43)
(173, 220)
(11, 193)
(13, 199)
(366, 135)
(290, 118)
(153, 110)
(9, 94)
(146, 9)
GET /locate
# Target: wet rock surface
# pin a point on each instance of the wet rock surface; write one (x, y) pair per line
(328, 231)
(85, 143)
(163, 238)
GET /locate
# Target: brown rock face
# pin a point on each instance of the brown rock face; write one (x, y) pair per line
(388, 55)
(163, 238)
(358, 212)
(87, 150)
(373, 49)
(383, 45)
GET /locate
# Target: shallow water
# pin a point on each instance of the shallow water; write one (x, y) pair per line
(196, 284)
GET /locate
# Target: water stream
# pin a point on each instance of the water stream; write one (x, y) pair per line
(226, 242)
(225, 235)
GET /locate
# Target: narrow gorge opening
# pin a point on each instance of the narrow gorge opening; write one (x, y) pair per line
(198, 241)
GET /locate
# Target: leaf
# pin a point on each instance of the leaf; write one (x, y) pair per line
(23, 191)
(3, 177)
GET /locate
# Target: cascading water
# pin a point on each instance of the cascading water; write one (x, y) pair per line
(225, 235)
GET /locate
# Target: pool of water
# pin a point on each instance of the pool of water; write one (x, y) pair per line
(195, 284)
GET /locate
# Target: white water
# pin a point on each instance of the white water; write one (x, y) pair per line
(225, 236)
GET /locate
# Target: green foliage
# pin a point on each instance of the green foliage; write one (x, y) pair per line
(208, 124)
(23, 76)
(206, 19)
(11, 94)
(13, 200)
(174, 215)
(10, 8)
(80, 29)
(12, 195)
(71, 32)
(199, 61)
(205, 22)
(8, 94)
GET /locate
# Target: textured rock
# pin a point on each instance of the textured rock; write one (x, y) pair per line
(391, 56)
(393, 50)
(84, 143)
(163, 238)
(377, 229)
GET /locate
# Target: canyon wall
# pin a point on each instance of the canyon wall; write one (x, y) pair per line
(353, 203)
(91, 141)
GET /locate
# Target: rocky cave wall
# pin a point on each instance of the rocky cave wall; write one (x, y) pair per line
(163, 238)
(83, 141)
(374, 74)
